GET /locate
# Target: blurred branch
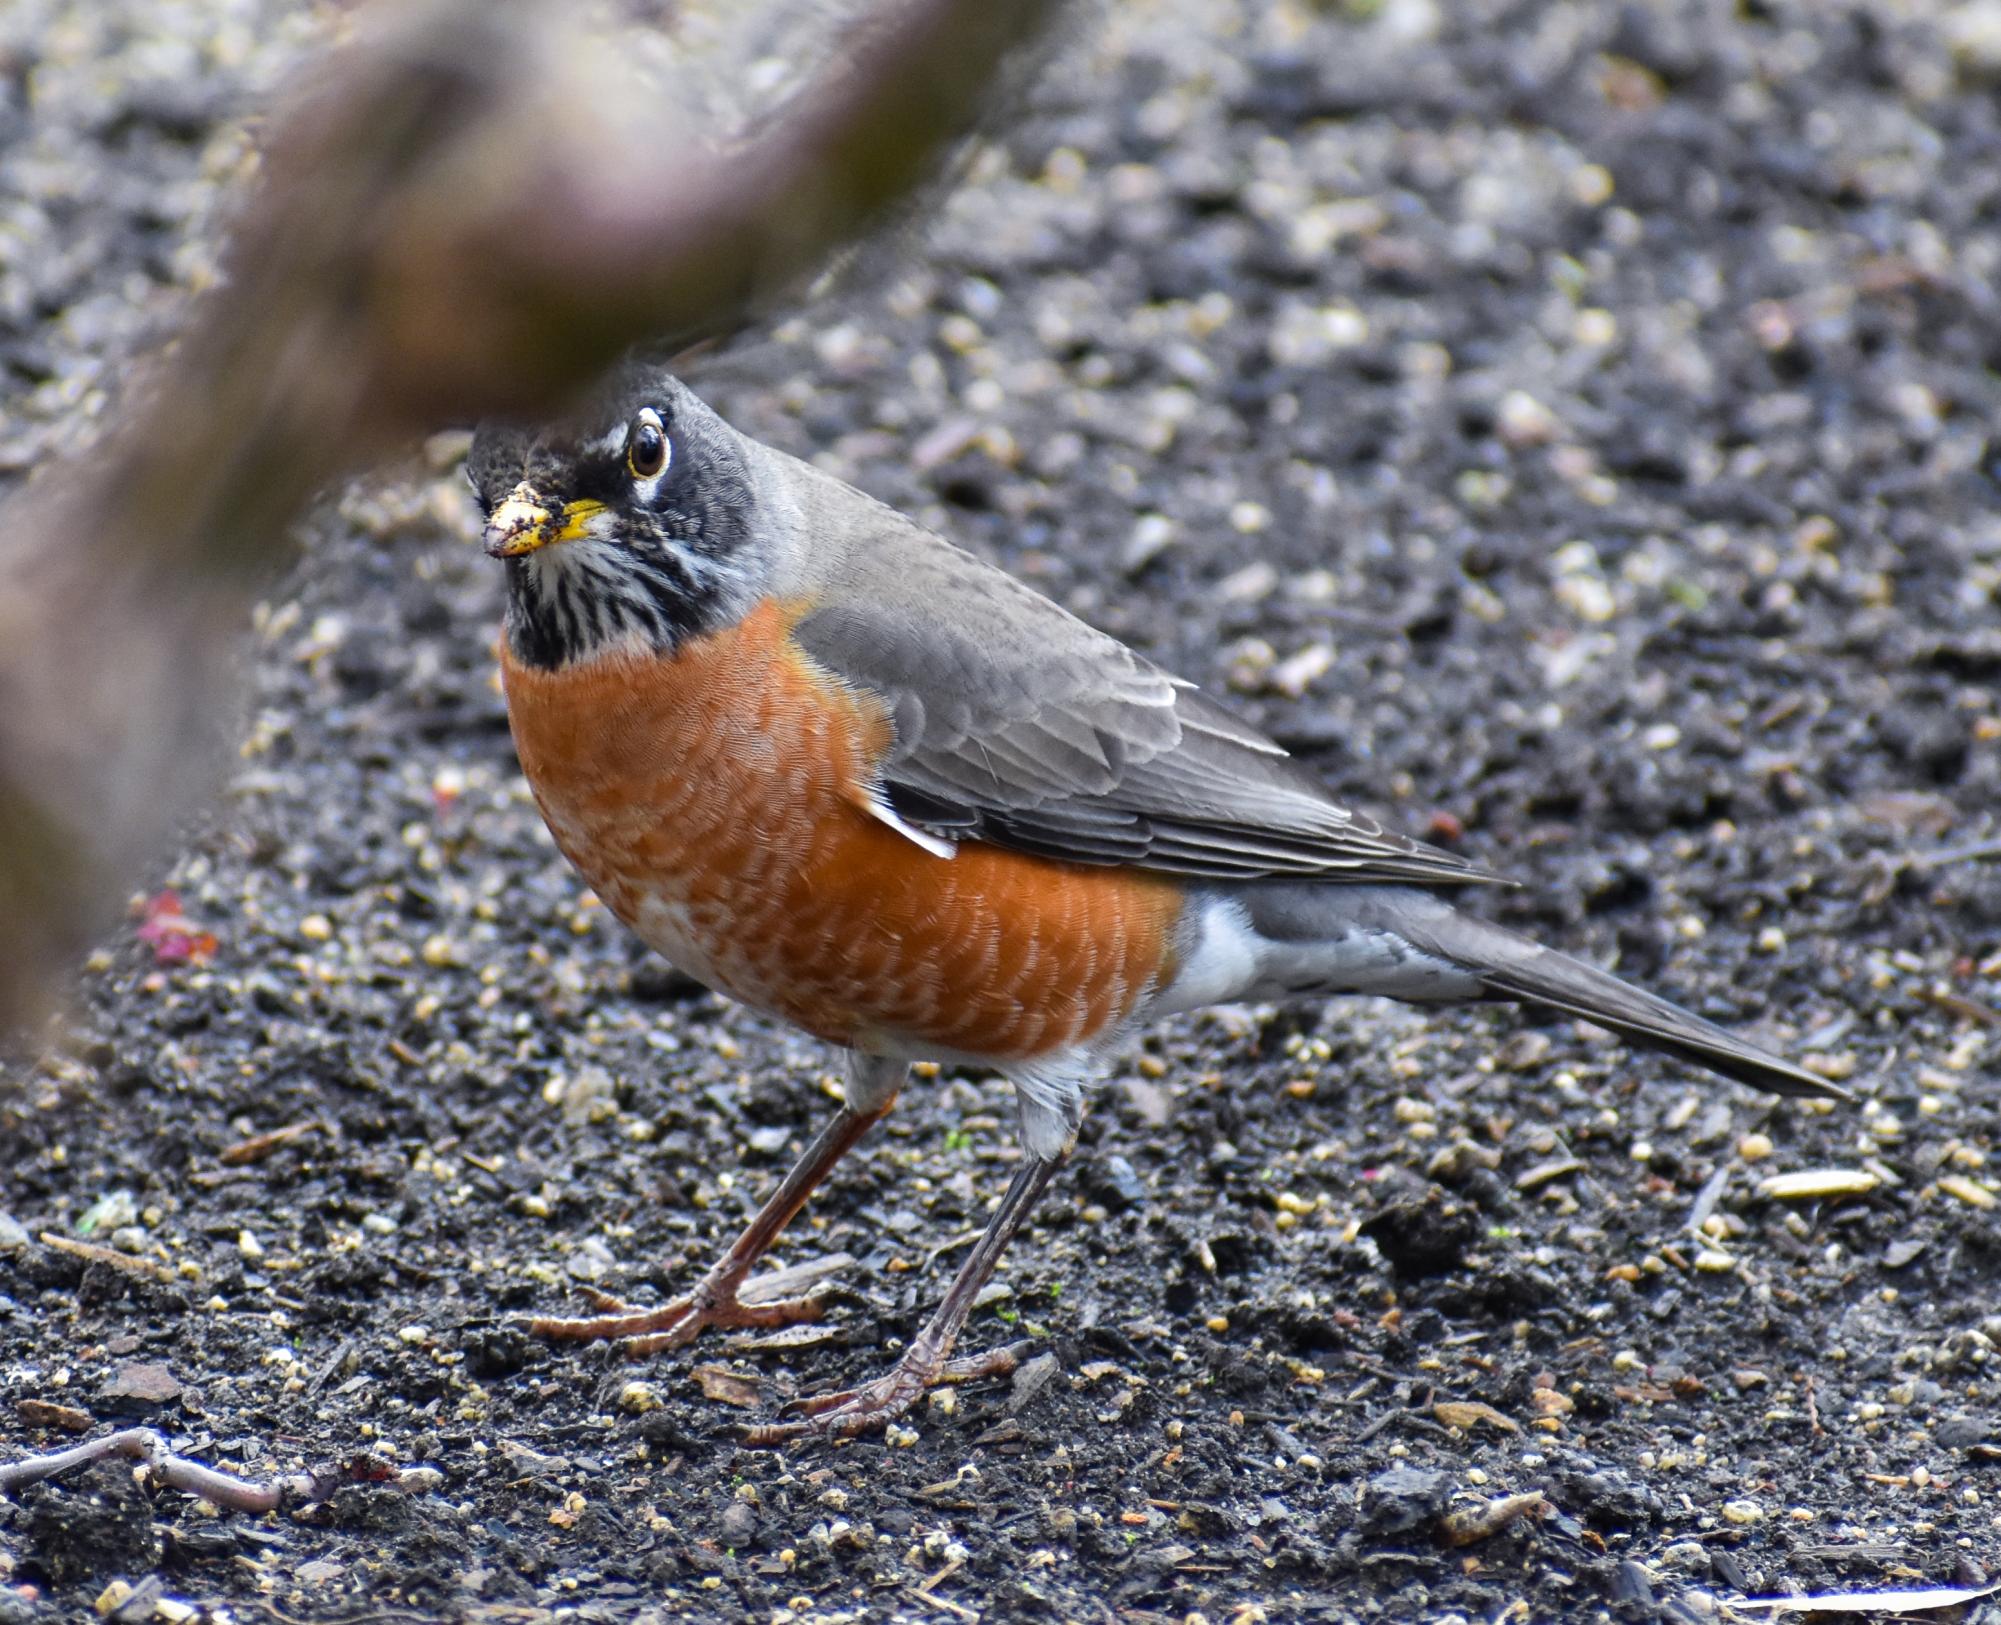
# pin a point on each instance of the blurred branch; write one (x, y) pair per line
(466, 213)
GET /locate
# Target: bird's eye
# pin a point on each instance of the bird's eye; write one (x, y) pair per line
(646, 449)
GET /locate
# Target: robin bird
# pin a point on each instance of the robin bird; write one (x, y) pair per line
(840, 770)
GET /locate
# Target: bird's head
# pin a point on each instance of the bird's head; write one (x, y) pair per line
(631, 527)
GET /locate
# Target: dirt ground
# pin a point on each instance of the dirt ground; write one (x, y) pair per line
(1565, 425)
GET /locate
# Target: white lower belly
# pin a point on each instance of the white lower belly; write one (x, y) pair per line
(1231, 960)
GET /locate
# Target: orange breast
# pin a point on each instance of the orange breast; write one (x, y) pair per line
(716, 802)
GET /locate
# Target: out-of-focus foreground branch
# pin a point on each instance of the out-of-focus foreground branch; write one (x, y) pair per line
(464, 213)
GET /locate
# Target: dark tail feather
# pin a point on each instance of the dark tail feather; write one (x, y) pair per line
(1513, 967)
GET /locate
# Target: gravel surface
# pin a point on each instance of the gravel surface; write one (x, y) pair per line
(1564, 426)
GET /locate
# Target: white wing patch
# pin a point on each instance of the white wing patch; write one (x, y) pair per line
(880, 809)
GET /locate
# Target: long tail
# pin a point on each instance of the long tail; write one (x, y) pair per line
(1520, 969)
(1507, 965)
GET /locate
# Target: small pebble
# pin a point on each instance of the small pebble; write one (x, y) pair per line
(1522, 421)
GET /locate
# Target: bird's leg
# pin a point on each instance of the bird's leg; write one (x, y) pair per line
(871, 1089)
(927, 1362)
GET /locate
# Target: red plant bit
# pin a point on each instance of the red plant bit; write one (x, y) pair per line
(171, 935)
(1446, 828)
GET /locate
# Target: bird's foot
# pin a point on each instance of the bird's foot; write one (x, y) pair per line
(717, 1301)
(851, 1412)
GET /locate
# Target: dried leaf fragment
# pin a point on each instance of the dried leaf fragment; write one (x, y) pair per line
(1467, 1414)
(727, 1387)
(91, 1253)
(1482, 1522)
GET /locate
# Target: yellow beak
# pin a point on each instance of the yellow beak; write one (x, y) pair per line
(521, 524)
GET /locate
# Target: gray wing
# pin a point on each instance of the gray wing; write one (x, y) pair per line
(1016, 723)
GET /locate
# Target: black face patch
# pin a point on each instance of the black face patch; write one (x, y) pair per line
(674, 552)
(496, 462)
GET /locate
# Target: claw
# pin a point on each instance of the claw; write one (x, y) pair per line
(851, 1412)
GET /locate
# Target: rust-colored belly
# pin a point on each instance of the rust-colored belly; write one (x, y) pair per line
(715, 801)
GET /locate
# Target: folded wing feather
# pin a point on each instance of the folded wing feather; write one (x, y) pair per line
(1018, 724)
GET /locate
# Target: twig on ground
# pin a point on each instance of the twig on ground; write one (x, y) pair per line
(926, 1592)
(260, 1146)
(178, 1473)
(1973, 852)
(1958, 1004)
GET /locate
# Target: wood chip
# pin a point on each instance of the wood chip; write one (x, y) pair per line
(1467, 1414)
(1965, 1189)
(1815, 1184)
(728, 1387)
